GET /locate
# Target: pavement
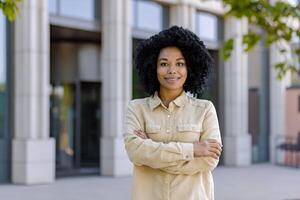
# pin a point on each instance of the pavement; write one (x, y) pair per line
(256, 182)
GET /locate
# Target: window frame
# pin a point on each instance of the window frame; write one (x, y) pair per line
(142, 33)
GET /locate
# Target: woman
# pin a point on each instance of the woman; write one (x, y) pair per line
(172, 138)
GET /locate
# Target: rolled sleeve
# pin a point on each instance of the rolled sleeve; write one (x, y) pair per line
(188, 151)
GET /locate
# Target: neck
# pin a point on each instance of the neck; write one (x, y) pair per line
(167, 96)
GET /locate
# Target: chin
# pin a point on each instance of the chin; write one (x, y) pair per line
(174, 88)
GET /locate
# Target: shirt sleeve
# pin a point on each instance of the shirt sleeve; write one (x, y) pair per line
(211, 130)
(147, 152)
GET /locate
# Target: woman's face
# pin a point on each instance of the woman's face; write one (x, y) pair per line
(171, 69)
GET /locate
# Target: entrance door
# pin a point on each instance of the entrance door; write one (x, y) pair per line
(89, 124)
(75, 124)
(63, 125)
(75, 107)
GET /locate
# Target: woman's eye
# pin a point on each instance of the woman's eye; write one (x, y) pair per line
(180, 64)
(163, 64)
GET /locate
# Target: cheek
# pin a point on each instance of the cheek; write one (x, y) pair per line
(184, 73)
(160, 72)
(159, 75)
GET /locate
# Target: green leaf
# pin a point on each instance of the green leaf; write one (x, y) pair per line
(270, 39)
(250, 40)
(10, 8)
(273, 19)
(297, 50)
(227, 49)
(280, 65)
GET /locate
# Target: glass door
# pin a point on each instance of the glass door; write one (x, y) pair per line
(63, 124)
(75, 124)
(89, 124)
(75, 107)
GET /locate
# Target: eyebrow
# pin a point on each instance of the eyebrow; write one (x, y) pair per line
(165, 59)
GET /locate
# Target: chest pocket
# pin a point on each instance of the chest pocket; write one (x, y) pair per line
(154, 132)
(189, 128)
(153, 129)
(187, 132)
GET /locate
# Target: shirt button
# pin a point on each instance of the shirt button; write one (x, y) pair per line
(168, 131)
(168, 116)
(186, 156)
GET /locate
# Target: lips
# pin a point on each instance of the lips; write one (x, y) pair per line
(171, 79)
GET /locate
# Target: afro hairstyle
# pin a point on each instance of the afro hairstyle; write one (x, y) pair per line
(198, 60)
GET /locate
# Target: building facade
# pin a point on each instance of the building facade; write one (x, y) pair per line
(66, 76)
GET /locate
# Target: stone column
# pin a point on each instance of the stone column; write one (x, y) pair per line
(237, 141)
(183, 14)
(277, 101)
(33, 152)
(116, 85)
(277, 104)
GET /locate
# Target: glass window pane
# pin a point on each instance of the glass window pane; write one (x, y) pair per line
(62, 121)
(149, 15)
(207, 26)
(2, 73)
(52, 4)
(83, 9)
(132, 15)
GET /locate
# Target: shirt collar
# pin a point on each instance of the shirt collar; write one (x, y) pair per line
(155, 101)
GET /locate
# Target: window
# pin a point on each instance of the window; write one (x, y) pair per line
(52, 4)
(2, 73)
(83, 9)
(148, 15)
(207, 26)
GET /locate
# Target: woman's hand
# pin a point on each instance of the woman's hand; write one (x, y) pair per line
(208, 147)
(141, 134)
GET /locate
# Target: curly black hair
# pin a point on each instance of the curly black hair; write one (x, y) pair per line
(198, 60)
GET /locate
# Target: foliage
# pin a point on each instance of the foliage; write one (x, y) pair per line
(9, 8)
(280, 23)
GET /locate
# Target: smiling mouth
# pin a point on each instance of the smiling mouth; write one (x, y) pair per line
(172, 79)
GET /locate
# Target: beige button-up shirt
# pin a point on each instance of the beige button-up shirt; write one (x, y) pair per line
(164, 165)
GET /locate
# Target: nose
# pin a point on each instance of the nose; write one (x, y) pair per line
(172, 69)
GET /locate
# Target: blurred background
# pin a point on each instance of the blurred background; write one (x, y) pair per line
(66, 76)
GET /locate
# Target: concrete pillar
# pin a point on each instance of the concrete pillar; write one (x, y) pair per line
(116, 85)
(277, 103)
(277, 100)
(183, 14)
(33, 152)
(237, 141)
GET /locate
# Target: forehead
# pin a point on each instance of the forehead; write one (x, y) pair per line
(170, 52)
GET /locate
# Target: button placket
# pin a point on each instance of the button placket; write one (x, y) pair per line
(168, 127)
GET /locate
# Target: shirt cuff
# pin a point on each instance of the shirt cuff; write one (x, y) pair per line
(188, 151)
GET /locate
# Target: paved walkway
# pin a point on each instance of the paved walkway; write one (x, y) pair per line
(258, 182)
